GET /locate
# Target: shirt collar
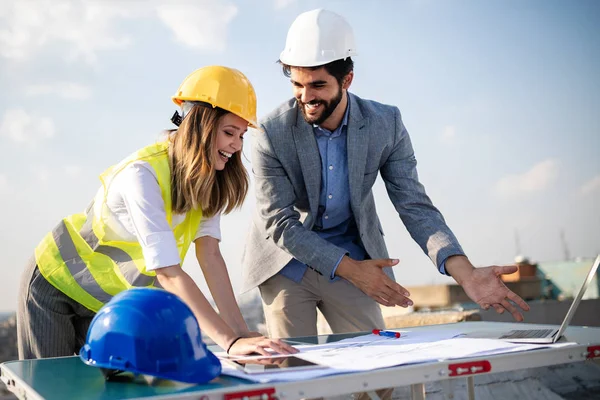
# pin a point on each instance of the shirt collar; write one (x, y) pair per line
(338, 130)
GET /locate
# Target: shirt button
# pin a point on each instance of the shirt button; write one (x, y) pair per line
(330, 196)
(330, 167)
(326, 216)
(330, 138)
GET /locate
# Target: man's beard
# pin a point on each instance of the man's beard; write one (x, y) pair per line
(329, 107)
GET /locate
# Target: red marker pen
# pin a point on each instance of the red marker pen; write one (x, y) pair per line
(386, 333)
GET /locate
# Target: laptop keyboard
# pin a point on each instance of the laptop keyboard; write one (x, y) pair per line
(527, 334)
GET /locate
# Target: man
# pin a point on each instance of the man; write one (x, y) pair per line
(316, 240)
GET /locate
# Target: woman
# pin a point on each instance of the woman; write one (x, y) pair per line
(136, 232)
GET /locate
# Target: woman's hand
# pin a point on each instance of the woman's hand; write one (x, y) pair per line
(248, 345)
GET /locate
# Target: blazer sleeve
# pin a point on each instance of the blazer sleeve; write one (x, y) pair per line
(277, 216)
(422, 219)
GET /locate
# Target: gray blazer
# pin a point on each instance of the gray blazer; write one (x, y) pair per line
(287, 169)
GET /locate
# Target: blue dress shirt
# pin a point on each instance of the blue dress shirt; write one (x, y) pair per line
(335, 221)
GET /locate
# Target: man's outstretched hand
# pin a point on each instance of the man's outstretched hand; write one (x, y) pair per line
(484, 286)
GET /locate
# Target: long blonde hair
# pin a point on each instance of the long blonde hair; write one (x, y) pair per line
(194, 181)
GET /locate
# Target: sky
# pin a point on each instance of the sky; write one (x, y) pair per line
(500, 98)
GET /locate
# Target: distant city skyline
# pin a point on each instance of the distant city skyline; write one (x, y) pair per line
(500, 98)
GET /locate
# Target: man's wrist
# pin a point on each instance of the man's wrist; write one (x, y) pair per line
(459, 267)
(333, 276)
(345, 267)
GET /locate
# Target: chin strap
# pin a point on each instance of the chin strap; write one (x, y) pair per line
(176, 118)
(186, 107)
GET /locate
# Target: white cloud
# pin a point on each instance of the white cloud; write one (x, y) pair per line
(200, 24)
(41, 173)
(21, 127)
(4, 185)
(538, 178)
(86, 26)
(449, 133)
(67, 90)
(90, 27)
(279, 4)
(591, 186)
(73, 171)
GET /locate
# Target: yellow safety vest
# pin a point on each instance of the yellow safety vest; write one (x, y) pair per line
(77, 260)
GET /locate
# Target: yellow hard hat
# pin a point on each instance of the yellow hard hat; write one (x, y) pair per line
(222, 87)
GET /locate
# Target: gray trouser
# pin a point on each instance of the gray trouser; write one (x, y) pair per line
(49, 323)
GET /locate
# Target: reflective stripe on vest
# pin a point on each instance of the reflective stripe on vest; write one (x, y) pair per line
(76, 260)
(126, 264)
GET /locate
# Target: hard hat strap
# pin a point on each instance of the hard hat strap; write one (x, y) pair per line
(186, 107)
(176, 118)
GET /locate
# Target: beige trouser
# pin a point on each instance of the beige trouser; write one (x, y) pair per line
(291, 308)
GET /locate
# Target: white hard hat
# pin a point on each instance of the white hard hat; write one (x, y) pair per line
(316, 38)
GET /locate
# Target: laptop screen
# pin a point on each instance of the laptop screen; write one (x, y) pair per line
(577, 299)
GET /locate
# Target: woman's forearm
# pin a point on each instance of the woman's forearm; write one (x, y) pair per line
(178, 282)
(216, 275)
(229, 309)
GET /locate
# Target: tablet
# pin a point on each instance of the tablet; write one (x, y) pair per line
(259, 365)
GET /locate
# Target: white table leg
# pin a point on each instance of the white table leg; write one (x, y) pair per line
(417, 391)
(470, 388)
(373, 395)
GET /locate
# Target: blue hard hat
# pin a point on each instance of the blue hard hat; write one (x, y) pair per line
(152, 332)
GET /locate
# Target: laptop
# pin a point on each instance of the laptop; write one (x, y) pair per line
(552, 335)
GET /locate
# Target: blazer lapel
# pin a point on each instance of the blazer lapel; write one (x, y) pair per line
(358, 143)
(310, 160)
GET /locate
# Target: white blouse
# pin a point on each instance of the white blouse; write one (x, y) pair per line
(137, 212)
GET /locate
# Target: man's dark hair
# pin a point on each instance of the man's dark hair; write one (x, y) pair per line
(338, 68)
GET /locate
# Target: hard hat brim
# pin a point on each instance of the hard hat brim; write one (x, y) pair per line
(312, 63)
(178, 100)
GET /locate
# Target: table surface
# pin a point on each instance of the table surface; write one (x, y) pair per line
(69, 378)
